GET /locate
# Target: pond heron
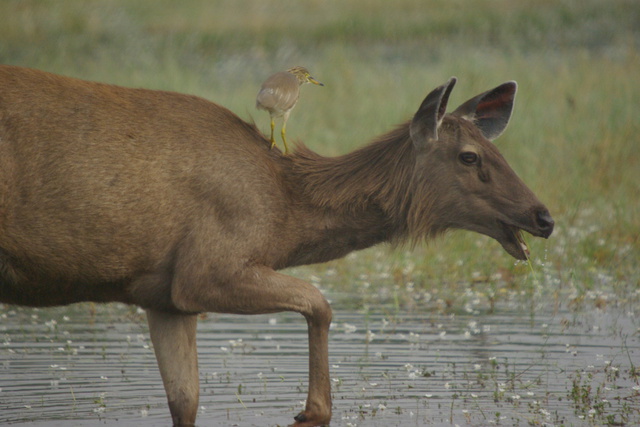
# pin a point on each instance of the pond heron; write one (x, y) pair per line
(279, 94)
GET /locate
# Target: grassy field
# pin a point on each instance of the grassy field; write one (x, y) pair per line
(573, 137)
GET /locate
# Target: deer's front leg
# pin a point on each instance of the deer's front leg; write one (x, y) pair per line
(174, 342)
(319, 397)
(261, 290)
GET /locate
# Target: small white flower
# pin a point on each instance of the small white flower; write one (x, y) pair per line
(349, 329)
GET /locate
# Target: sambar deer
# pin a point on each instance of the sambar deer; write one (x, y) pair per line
(175, 204)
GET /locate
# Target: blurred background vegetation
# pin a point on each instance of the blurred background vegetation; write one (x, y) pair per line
(573, 137)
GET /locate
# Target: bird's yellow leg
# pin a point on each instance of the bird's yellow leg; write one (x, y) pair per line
(273, 140)
(284, 137)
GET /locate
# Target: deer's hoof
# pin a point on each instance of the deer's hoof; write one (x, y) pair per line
(303, 420)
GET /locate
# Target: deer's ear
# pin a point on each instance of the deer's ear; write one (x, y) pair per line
(425, 123)
(490, 111)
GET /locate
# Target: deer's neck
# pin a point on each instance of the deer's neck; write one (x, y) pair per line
(353, 201)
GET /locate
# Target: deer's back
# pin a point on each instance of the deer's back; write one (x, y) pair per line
(100, 182)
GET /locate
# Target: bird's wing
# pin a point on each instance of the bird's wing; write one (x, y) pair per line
(279, 93)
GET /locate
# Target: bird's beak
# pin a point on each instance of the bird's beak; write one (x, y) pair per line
(315, 82)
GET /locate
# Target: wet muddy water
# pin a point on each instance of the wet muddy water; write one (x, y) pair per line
(89, 365)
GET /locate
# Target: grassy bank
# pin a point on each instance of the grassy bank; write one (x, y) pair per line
(573, 138)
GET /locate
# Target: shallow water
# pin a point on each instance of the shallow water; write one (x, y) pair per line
(93, 365)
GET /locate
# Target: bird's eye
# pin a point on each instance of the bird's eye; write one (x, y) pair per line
(469, 158)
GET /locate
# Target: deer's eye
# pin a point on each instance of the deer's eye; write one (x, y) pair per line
(469, 158)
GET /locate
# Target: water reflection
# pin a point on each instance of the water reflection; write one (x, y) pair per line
(93, 365)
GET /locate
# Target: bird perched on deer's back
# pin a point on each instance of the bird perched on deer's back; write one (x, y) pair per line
(279, 94)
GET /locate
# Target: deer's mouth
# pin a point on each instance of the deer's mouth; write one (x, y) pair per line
(520, 239)
(513, 242)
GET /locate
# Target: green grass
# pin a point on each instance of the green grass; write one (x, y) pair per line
(573, 137)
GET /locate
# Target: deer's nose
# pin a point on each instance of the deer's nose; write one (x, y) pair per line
(545, 222)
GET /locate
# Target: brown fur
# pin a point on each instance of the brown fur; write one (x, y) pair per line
(175, 204)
